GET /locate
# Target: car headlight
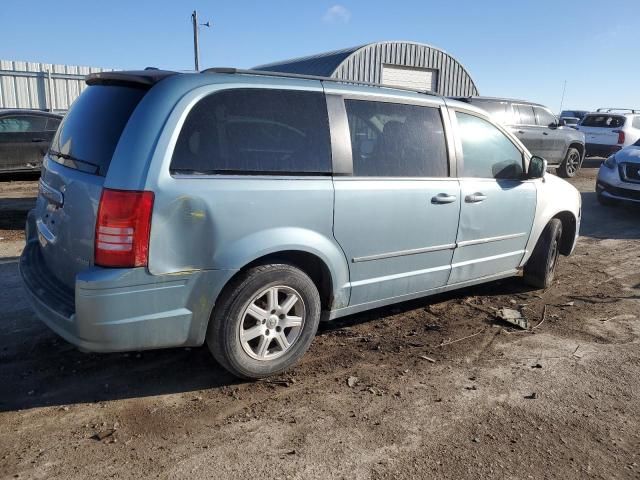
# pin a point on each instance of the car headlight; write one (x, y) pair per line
(610, 162)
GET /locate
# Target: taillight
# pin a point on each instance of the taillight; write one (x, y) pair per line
(621, 136)
(122, 228)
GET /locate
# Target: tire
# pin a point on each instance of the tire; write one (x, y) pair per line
(248, 304)
(571, 164)
(606, 201)
(541, 267)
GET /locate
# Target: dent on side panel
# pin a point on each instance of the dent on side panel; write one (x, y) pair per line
(224, 223)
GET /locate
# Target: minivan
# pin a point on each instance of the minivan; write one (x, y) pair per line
(239, 208)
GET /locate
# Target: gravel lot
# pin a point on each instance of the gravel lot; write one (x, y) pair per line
(561, 401)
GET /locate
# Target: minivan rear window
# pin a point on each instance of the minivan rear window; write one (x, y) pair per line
(255, 131)
(603, 121)
(89, 133)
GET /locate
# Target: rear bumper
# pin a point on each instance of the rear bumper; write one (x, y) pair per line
(600, 150)
(114, 310)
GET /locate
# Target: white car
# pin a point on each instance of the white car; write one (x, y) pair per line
(619, 177)
(609, 130)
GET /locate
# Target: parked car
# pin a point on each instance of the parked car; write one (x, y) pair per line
(238, 208)
(619, 177)
(579, 114)
(24, 138)
(609, 130)
(570, 121)
(540, 131)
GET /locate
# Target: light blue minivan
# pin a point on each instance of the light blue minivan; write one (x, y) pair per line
(241, 207)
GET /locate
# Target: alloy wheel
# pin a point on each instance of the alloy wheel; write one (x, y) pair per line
(272, 323)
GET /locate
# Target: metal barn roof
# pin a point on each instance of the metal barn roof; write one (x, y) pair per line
(367, 63)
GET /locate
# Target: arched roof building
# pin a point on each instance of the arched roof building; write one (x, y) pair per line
(404, 64)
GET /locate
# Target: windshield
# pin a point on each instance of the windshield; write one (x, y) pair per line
(89, 133)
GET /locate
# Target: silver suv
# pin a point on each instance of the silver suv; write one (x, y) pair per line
(540, 131)
(238, 208)
(609, 130)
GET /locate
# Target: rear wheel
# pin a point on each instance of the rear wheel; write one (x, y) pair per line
(264, 321)
(541, 267)
(569, 168)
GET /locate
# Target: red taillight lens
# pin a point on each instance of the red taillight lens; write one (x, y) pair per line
(621, 137)
(122, 228)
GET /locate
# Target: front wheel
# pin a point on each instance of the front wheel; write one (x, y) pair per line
(571, 164)
(265, 321)
(541, 267)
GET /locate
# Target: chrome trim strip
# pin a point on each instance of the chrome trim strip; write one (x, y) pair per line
(436, 248)
(487, 259)
(397, 276)
(54, 196)
(402, 253)
(45, 232)
(478, 241)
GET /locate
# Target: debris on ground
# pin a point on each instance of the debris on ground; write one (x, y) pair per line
(352, 381)
(531, 396)
(513, 317)
(102, 434)
(428, 359)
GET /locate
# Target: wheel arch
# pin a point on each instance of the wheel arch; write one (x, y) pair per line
(569, 225)
(309, 263)
(578, 146)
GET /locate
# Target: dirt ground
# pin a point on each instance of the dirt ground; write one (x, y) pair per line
(559, 401)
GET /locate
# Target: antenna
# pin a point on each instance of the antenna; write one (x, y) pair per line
(564, 89)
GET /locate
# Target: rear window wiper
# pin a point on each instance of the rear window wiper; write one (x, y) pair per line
(71, 158)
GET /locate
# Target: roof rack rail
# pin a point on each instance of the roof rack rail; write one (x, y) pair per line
(267, 73)
(611, 110)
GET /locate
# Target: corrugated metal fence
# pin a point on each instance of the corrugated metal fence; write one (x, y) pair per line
(41, 86)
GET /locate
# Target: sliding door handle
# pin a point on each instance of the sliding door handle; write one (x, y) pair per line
(443, 198)
(475, 198)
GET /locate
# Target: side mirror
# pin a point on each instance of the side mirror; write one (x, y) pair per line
(537, 167)
(562, 122)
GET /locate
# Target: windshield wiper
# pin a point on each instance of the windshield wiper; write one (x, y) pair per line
(71, 158)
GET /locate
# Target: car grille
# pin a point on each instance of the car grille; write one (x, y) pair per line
(631, 172)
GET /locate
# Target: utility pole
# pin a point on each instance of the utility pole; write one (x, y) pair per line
(196, 45)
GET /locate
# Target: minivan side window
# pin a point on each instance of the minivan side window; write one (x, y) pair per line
(544, 118)
(396, 140)
(255, 131)
(525, 113)
(486, 151)
(636, 122)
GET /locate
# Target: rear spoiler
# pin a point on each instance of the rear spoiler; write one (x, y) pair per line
(129, 78)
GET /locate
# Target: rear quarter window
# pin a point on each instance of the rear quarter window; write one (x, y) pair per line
(89, 133)
(255, 131)
(603, 121)
(499, 111)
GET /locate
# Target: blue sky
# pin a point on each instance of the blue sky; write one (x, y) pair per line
(516, 48)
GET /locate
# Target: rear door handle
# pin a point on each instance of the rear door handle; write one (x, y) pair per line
(443, 198)
(475, 198)
(545, 133)
(520, 131)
